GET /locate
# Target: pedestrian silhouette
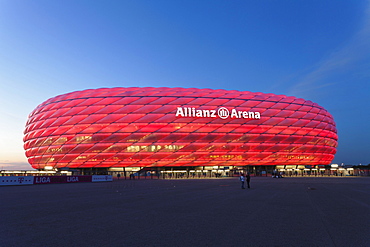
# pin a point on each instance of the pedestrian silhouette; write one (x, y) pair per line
(248, 176)
(242, 179)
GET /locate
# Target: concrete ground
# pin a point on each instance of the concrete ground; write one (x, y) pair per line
(199, 212)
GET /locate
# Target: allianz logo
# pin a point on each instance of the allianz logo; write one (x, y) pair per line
(221, 112)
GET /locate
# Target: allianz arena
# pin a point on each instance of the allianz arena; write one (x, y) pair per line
(130, 129)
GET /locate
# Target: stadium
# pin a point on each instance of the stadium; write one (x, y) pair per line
(187, 131)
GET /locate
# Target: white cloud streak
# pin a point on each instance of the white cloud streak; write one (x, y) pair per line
(337, 62)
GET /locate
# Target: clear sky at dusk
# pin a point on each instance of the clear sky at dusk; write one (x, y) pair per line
(316, 50)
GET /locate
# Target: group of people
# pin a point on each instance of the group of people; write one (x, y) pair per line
(277, 174)
(247, 178)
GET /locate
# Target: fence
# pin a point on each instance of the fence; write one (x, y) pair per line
(32, 180)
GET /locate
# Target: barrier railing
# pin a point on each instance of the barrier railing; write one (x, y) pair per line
(27, 180)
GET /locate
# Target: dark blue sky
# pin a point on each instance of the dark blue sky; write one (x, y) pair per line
(316, 50)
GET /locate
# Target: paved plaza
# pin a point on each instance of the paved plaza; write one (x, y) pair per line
(189, 212)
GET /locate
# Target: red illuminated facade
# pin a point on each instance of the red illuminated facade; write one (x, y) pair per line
(177, 127)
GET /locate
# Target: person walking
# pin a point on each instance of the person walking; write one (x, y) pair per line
(248, 176)
(242, 179)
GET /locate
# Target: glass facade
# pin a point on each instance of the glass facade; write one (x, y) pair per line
(158, 127)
